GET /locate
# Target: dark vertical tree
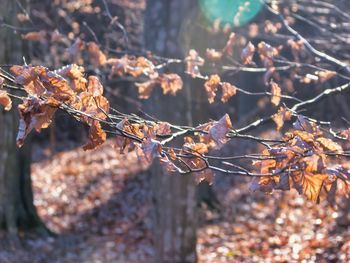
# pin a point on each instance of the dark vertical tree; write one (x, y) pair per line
(16, 198)
(174, 194)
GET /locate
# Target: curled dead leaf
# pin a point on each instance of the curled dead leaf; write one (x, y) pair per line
(34, 114)
(97, 136)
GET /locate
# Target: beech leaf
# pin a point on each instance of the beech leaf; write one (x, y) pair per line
(97, 136)
(220, 129)
(211, 86)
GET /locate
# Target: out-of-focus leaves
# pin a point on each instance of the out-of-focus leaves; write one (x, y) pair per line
(248, 54)
(213, 55)
(5, 100)
(220, 129)
(145, 88)
(228, 49)
(98, 58)
(276, 93)
(94, 86)
(228, 91)
(325, 75)
(211, 86)
(193, 62)
(35, 36)
(170, 83)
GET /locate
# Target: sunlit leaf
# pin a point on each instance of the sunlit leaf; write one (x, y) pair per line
(211, 86)
(97, 136)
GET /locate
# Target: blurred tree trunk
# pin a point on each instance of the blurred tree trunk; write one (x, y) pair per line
(174, 194)
(16, 198)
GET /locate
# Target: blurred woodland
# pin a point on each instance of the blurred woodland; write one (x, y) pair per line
(174, 131)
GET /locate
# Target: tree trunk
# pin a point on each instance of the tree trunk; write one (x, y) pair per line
(174, 194)
(16, 198)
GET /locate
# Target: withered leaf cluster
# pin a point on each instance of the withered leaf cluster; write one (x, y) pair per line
(50, 90)
(304, 161)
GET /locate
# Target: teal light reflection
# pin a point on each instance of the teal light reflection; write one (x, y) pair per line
(235, 12)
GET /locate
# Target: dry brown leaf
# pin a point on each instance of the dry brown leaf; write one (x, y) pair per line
(281, 116)
(35, 36)
(97, 136)
(97, 57)
(213, 55)
(267, 50)
(22, 17)
(276, 93)
(163, 128)
(346, 134)
(211, 86)
(75, 76)
(145, 88)
(5, 100)
(219, 130)
(309, 184)
(133, 66)
(34, 114)
(200, 147)
(55, 85)
(170, 83)
(330, 145)
(248, 54)
(94, 86)
(305, 136)
(24, 74)
(314, 163)
(93, 107)
(228, 90)
(326, 75)
(193, 62)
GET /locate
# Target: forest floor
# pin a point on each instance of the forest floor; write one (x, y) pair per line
(99, 205)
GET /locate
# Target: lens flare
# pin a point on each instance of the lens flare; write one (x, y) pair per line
(235, 12)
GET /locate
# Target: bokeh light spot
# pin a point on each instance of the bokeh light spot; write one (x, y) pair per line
(235, 12)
